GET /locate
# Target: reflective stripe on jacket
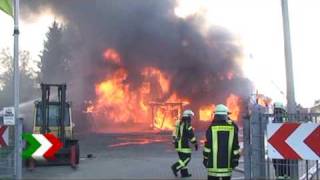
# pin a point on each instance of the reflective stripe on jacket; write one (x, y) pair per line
(221, 149)
(185, 134)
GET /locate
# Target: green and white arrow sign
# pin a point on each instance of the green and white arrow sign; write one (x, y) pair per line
(40, 146)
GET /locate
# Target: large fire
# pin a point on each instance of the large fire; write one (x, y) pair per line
(150, 105)
(206, 112)
(118, 102)
(232, 102)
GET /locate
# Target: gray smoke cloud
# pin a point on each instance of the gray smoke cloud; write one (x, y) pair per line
(146, 33)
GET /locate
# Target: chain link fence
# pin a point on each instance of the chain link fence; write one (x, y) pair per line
(7, 155)
(258, 165)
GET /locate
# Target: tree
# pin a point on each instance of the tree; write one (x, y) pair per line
(55, 56)
(29, 73)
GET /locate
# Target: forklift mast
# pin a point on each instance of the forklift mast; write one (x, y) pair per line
(45, 103)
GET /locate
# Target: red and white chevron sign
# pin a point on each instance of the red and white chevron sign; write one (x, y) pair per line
(294, 141)
(41, 146)
(4, 136)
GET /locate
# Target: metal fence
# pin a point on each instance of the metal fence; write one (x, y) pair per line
(258, 165)
(7, 155)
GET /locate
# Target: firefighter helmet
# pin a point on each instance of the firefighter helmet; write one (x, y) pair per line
(187, 113)
(221, 110)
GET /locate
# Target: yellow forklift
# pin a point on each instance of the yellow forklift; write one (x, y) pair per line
(54, 116)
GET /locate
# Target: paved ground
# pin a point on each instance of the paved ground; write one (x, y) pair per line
(123, 156)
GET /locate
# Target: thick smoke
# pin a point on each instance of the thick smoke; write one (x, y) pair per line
(147, 33)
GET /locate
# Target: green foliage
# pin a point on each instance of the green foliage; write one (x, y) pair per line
(55, 56)
(28, 77)
(53, 67)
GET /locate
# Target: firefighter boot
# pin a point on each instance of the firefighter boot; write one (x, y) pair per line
(185, 173)
(174, 169)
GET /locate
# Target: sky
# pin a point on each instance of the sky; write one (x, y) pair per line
(256, 25)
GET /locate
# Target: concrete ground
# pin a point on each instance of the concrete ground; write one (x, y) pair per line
(124, 156)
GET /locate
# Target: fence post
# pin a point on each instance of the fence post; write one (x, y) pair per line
(317, 166)
(7, 155)
(257, 144)
(247, 147)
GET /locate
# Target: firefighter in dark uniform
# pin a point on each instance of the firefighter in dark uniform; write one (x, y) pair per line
(221, 151)
(281, 166)
(183, 135)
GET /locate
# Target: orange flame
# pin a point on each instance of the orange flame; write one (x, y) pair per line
(206, 112)
(117, 102)
(233, 103)
(112, 55)
(263, 100)
(168, 113)
(161, 77)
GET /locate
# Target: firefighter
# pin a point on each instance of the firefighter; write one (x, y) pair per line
(183, 135)
(281, 166)
(221, 150)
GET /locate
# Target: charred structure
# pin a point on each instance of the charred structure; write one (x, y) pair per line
(126, 54)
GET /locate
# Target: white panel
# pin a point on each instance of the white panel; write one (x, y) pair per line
(295, 140)
(45, 145)
(272, 152)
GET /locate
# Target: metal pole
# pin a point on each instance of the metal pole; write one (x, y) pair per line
(291, 103)
(317, 166)
(258, 165)
(18, 125)
(307, 170)
(247, 147)
(288, 55)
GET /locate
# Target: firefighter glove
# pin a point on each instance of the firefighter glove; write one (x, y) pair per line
(205, 163)
(234, 163)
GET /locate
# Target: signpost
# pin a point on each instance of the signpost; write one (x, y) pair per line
(294, 141)
(8, 116)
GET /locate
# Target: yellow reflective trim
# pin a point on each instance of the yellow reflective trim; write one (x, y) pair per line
(186, 161)
(214, 146)
(220, 174)
(215, 130)
(184, 150)
(230, 142)
(189, 128)
(223, 128)
(219, 170)
(181, 135)
(181, 162)
(204, 157)
(206, 150)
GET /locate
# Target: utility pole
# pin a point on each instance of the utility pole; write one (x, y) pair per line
(16, 77)
(291, 103)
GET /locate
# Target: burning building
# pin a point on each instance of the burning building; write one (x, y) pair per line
(136, 65)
